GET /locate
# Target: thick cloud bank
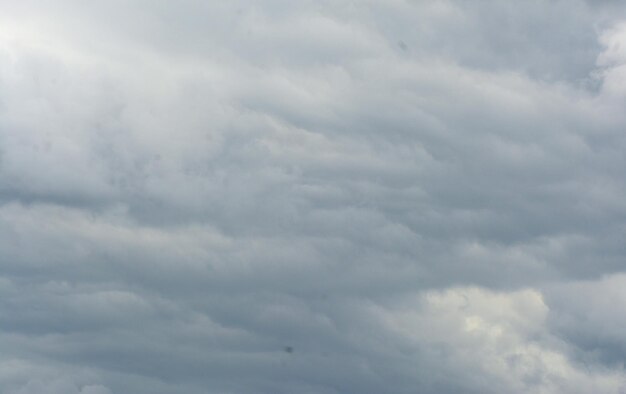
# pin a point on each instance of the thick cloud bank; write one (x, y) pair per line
(312, 197)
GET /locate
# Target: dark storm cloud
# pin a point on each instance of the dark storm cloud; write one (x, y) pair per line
(311, 197)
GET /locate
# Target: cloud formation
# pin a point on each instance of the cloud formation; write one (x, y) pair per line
(312, 197)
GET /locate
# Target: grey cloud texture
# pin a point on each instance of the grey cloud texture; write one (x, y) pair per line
(312, 197)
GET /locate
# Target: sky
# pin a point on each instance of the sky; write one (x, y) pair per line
(277, 197)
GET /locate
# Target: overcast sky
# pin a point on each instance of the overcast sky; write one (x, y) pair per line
(331, 196)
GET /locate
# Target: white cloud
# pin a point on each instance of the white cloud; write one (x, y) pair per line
(613, 61)
(493, 342)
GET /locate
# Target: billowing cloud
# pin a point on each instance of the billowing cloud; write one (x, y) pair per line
(312, 197)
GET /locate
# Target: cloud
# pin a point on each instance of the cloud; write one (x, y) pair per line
(60, 387)
(25, 377)
(588, 315)
(491, 342)
(318, 197)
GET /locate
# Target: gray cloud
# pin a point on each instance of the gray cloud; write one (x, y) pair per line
(321, 197)
(589, 315)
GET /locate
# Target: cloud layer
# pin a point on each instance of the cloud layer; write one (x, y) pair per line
(312, 197)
